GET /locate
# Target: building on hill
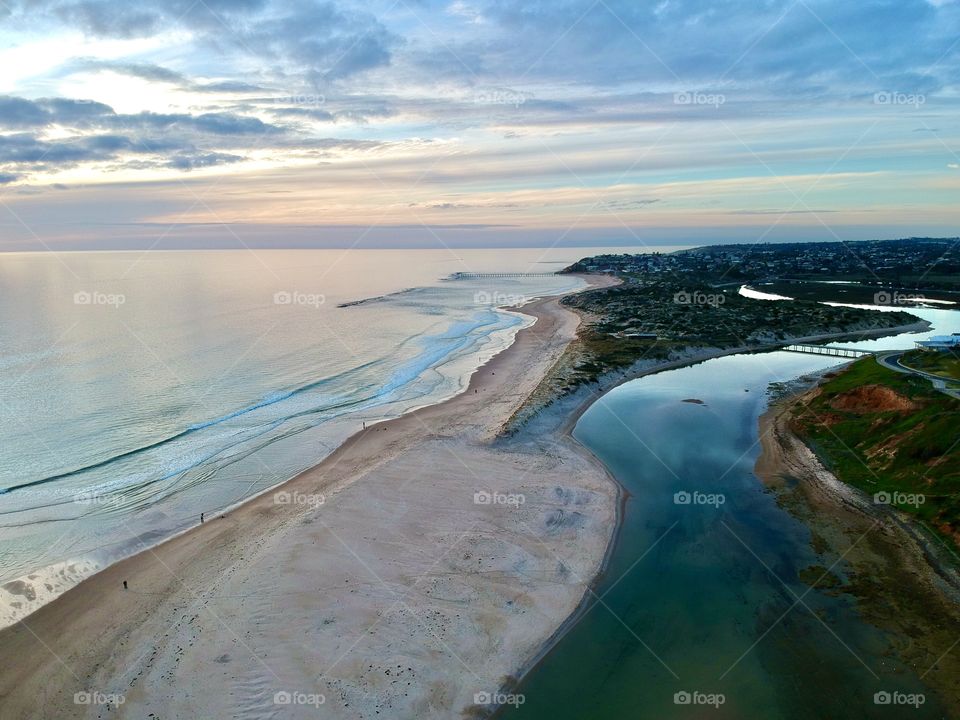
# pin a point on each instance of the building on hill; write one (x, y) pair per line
(940, 342)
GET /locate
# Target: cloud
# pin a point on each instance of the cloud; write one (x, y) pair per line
(121, 19)
(144, 71)
(448, 102)
(98, 134)
(20, 113)
(323, 40)
(629, 204)
(25, 149)
(159, 74)
(226, 86)
(191, 161)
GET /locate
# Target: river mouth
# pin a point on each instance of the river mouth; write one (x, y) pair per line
(703, 610)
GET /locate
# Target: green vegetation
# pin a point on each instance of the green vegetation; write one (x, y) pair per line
(945, 363)
(650, 317)
(891, 435)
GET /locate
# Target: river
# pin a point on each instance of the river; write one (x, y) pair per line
(701, 612)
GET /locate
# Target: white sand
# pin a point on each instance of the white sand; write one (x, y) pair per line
(399, 596)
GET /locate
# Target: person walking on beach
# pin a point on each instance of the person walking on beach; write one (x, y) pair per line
(201, 518)
(124, 584)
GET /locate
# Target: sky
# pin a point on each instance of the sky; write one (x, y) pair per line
(412, 123)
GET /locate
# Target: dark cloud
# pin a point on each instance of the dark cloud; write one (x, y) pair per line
(629, 204)
(157, 73)
(786, 48)
(191, 141)
(144, 71)
(302, 112)
(105, 19)
(19, 113)
(122, 19)
(191, 161)
(226, 124)
(139, 141)
(324, 40)
(226, 86)
(25, 149)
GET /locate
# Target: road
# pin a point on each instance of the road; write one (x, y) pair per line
(891, 360)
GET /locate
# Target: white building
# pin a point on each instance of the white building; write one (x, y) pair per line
(940, 342)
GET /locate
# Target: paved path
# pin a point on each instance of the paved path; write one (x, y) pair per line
(891, 360)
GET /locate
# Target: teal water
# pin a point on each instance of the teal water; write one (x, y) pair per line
(138, 390)
(705, 598)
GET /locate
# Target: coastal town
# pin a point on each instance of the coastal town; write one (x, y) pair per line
(915, 264)
(669, 304)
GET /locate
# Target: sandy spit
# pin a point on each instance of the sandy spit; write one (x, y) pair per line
(408, 575)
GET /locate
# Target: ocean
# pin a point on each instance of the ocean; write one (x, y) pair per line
(140, 390)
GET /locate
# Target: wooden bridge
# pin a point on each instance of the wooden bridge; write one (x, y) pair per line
(827, 350)
(484, 276)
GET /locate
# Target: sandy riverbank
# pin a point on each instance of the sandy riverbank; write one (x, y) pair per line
(900, 577)
(574, 404)
(399, 596)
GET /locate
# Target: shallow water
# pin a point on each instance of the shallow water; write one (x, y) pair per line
(141, 389)
(704, 596)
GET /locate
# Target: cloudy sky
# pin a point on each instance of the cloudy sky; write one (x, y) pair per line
(209, 123)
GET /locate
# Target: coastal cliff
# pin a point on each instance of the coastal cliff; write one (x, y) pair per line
(900, 570)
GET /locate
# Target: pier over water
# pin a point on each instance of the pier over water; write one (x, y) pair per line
(483, 276)
(827, 350)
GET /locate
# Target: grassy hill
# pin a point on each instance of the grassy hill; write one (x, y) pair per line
(891, 435)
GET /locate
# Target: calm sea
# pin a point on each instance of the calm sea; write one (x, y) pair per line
(141, 389)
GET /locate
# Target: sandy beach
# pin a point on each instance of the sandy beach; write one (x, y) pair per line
(410, 574)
